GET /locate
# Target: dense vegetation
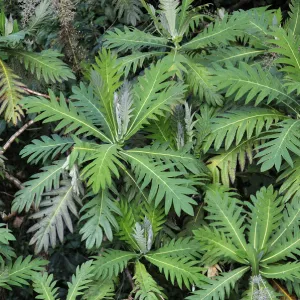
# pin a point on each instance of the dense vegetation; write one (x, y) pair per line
(150, 149)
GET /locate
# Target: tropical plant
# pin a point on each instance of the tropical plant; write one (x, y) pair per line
(44, 65)
(258, 243)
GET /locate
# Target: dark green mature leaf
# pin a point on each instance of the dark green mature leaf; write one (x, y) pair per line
(220, 287)
(165, 184)
(98, 219)
(283, 140)
(39, 183)
(46, 147)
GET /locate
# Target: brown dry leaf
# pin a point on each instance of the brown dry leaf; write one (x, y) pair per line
(213, 271)
(18, 222)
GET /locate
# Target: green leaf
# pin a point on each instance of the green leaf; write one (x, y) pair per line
(286, 45)
(112, 262)
(283, 140)
(132, 39)
(39, 183)
(235, 124)
(80, 280)
(290, 181)
(45, 64)
(221, 32)
(294, 17)
(46, 147)
(220, 287)
(98, 218)
(164, 184)
(126, 224)
(44, 286)
(216, 246)
(182, 247)
(233, 55)
(286, 271)
(129, 9)
(266, 216)
(226, 215)
(21, 271)
(145, 287)
(85, 100)
(224, 165)
(251, 83)
(53, 216)
(54, 110)
(11, 91)
(105, 80)
(100, 289)
(181, 269)
(160, 152)
(136, 60)
(154, 95)
(100, 161)
(199, 79)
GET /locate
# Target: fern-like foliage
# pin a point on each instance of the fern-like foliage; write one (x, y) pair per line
(146, 288)
(236, 124)
(39, 183)
(57, 206)
(111, 263)
(21, 271)
(44, 286)
(162, 184)
(99, 219)
(100, 289)
(80, 280)
(181, 269)
(45, 64)
(11, 93)
(283, 140)
(294, 21)
(219, 289)
(47, 147)
(289, 179)
(129, 9)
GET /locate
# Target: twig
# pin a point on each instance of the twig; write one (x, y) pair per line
(29, 91)
(19, 185)
(14, 180)
(14, 136)
(129, 278)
